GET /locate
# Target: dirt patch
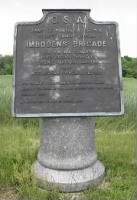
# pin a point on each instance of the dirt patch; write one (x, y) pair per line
(6, 194)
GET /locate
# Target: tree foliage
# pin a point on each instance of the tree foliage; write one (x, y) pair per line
(6, 64)
(129, 65)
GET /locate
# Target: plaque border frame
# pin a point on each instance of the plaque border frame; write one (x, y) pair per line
(86, 114)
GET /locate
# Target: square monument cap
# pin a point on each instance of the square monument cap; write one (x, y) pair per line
(87, 11)
(64, 10)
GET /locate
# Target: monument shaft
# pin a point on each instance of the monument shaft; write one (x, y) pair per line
(67, 155)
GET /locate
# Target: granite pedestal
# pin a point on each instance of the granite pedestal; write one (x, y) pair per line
(67, 156)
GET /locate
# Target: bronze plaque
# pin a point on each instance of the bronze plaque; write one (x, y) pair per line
(67, 64)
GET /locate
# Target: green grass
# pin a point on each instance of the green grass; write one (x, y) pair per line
(128, 121)
(115, 141)
(117, 152)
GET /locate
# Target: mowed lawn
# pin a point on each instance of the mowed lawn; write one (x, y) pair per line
(115, 144)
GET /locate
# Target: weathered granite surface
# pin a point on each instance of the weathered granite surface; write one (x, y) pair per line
(67, 155)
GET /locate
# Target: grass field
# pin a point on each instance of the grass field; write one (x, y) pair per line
(115, 141)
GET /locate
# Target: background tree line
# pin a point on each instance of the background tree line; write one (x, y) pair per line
(129, 65)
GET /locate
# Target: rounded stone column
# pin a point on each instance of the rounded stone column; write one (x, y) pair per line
(67, 156)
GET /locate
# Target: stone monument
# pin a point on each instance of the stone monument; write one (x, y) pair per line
(67, 70)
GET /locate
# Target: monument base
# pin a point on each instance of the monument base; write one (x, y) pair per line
(69, 180)
(67, 156)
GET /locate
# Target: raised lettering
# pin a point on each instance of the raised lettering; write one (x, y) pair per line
(66, 19)
(54, 20)
(79, 20)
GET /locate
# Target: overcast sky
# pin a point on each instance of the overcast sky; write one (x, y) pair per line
(122, 11)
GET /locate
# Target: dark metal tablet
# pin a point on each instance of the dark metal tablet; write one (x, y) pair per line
(67, 64)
